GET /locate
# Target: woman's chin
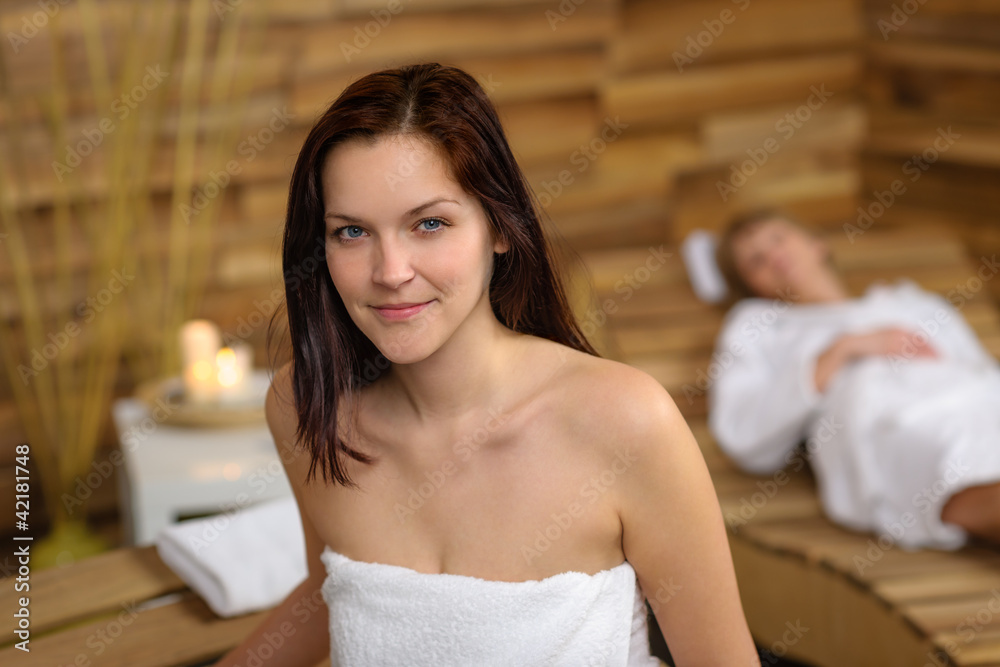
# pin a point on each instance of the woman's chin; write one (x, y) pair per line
(409, 352)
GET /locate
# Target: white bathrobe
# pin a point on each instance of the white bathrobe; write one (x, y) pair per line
(891, 438)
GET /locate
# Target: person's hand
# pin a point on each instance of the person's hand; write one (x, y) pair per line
(890, 341)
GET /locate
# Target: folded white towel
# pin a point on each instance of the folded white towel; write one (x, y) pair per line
(240, 562)
(390, 615)
(698, 250)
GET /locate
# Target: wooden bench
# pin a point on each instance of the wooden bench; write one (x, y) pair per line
(852, 602)
(123, 608)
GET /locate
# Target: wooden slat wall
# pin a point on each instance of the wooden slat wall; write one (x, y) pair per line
(933, 71)
(765, 96)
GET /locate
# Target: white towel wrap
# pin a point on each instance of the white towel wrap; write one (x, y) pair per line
(390, 615)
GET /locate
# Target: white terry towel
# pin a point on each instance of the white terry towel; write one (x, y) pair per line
(390, 615)
(239, 563)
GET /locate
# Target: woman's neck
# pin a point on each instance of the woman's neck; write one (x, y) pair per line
(463, 377)
(826, 287)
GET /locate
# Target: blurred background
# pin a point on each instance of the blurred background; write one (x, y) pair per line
(147, 149)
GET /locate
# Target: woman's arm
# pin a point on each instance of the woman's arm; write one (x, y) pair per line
(764, 392)
(675, 538)
(890, 341)
(297, 631)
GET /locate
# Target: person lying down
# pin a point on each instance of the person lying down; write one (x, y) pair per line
(896, 399)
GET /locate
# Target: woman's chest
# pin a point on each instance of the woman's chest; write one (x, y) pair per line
(526, 499)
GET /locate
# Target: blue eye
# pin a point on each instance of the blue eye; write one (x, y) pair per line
(432, 221)
(353, 232)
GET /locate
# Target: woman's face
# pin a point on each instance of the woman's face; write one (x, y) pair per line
(400, 231)
(777, 259)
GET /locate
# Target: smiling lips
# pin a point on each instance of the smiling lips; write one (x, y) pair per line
(400, 311)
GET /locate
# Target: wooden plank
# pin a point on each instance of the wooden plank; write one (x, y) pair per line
(549, 131)
(93, 585)
(660, 34)
(897, 563)
(971, 578)
(137, 635)
(670, 96)
(924, 55)
(507, 78)
(945, 615)
(840, 124)
(590, 229)
(847, 625)
(897, 133)
(332, 45)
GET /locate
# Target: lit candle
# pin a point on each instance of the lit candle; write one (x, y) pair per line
(234, 367)
(200, 342)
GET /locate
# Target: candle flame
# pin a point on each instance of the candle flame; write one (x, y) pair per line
(229, 372)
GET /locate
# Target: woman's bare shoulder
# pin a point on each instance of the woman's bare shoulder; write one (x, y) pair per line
(612, 399)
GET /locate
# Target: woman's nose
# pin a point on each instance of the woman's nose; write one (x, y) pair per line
(393, 265)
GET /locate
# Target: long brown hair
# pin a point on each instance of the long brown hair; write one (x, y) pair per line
(331, 357)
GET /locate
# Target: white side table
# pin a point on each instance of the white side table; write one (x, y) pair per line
(174, 470)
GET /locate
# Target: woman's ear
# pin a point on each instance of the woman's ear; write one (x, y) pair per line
(501, 246)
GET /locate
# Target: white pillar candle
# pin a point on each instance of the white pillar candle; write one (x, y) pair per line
(235, 365)
(200, 342)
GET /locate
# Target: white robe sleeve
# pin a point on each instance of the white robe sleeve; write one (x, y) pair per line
(764, 394)
(946, 328)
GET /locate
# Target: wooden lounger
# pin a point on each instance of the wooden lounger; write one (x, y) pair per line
(123, 608)
(814, 591)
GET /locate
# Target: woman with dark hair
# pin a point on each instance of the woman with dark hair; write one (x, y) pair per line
(493, 491)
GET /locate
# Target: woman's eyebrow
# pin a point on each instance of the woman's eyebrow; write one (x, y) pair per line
(409, 214)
